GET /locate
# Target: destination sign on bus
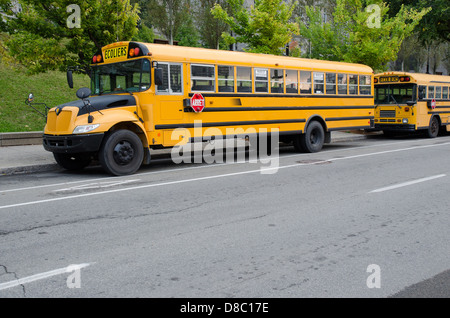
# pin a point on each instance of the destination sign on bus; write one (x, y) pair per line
(389, 79)
(116, 53)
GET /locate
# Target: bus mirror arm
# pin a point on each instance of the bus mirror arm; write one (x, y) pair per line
(30, 102)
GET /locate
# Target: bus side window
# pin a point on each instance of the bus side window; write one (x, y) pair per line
(444, 92)
(342, 84)
(422, 92)
(244, 79)
(203, 78)
(261, 80)
(305, 82)
(176, 83)
(319, 81)
(276, 81)
(430, 92)
(331, 83)
(291, 82)
(353, 84)
(225, 76)
(365, 85)
(164, 88)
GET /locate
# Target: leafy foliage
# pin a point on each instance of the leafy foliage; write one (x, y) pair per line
(265, 28)
(41, 27)
(353, 36)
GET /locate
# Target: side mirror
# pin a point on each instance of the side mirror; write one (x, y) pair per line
(158, 76)
(70, 78)
(84, 93)
(410, 103)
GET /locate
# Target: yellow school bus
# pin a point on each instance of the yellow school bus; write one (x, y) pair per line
(152, 96)
(409, 102)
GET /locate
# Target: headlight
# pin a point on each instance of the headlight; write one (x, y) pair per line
(405, 120)
(85, 129)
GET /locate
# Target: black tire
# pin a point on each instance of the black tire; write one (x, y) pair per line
(122, 153)
(73, 162)
(433, 128)
(312, 140)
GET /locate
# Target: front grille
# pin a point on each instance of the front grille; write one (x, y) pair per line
(387, 113)
(55, 142)
(387, 120)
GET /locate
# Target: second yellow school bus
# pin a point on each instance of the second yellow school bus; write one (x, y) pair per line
(143, 93)
(409, 102)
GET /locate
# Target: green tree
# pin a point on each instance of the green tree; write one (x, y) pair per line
(167, 16)
(361, 32)
(265, 27)
(50, 42)
(210, 28)
(435, 25)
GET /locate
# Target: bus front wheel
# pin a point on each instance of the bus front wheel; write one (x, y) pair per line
(433, 128)
(312, 140)
(122, 153)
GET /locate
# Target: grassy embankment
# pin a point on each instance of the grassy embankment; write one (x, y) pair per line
(50, 88)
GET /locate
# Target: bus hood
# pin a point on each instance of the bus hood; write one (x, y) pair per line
(101, 103)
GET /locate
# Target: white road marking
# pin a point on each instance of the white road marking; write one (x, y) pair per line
(97, 185)
(214, 177)
(36, 277)
(181, 169)
(405, 184)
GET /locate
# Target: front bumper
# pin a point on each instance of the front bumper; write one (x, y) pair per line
(395, 127)
(73, 143)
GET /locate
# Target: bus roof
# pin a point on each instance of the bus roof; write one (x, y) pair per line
(164, 52)
(419, 77)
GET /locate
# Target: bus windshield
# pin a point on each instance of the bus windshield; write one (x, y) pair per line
(123, 77)
(395, 94)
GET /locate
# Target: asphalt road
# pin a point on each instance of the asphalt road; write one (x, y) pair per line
(368, 218)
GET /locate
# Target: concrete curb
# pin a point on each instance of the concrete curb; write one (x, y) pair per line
(21, 138)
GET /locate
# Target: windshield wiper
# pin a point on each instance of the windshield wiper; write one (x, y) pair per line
(395, 100)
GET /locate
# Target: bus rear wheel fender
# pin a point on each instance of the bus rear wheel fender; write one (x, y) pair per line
(122, 153)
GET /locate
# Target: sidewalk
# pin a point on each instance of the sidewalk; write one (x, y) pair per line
(23, 158)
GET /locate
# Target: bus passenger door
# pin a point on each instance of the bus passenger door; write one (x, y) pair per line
(170, 94)
(170, 97)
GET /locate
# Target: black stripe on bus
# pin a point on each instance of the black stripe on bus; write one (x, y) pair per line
(234, 123)
(249, 109)
(279, 95)
(250, 135)
(349, 118)
(350, 128)
(433, 113)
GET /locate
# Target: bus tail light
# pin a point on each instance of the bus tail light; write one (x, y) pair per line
(94, 59)
(99, 58)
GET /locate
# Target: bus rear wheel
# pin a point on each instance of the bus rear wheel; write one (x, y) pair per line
(433, 129)
(312, 140)
(73, 162)
(122, 153)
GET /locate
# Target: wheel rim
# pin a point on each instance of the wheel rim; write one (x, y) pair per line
(314, 137)
(123, 153)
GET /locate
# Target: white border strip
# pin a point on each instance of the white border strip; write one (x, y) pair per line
(405, 184)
